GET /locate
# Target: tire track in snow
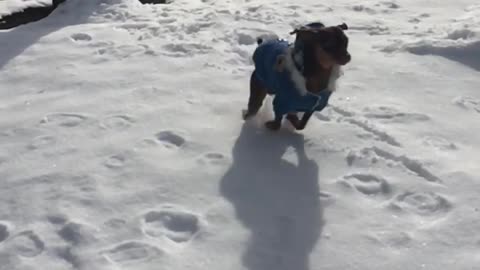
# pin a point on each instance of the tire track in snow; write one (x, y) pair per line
(350, 117)
(412, 165)
(381, 135)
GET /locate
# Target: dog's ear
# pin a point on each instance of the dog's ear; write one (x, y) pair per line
(343, 26)
(307, 34)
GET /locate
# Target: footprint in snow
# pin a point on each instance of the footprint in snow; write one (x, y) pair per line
(213, 158)
(42, 142)
(363, 8)
(367, 184)
(120, 52)
(76, 233)
(81, 37)
(425, 204)
(68, 120)
(468, 103)
(117, 122)
(132, 252)
(26, 244)
(418, 18)
(175, 224)
(57, 219)
(389, 4)
(115, 161)
(170, 138)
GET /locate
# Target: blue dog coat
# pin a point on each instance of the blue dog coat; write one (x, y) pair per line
(288, 85)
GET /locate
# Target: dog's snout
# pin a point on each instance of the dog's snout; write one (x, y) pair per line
(348, 58)
(345, 59)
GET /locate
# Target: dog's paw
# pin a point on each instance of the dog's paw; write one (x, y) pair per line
(295, 121)
(246, 115)
(273, 125)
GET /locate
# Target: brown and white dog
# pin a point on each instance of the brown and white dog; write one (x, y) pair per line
(311, 65)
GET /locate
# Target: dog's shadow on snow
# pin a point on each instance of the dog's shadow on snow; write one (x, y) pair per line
(277, 200)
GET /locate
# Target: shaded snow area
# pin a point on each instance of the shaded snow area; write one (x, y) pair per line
(122, 144)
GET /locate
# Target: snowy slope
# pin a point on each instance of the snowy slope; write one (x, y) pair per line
(11, 6)
(122, 145)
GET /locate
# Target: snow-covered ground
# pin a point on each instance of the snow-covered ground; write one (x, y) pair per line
(122, 144)
(11, 6)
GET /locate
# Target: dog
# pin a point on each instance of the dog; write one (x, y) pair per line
(301, 75)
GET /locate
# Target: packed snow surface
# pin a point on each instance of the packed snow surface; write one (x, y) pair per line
(122, 144)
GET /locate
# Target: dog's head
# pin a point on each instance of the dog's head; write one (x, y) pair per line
(332, 41)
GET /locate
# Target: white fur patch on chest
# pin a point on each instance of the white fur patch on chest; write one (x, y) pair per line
(299, 80)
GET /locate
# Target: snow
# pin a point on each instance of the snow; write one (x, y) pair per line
(122, 144)
(11, 6)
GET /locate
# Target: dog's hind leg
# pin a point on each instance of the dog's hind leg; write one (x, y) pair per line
(258, 92)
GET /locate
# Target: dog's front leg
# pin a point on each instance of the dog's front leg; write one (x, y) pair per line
(303, 122)
(299, 124)
(275, 124)
(293, 119)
